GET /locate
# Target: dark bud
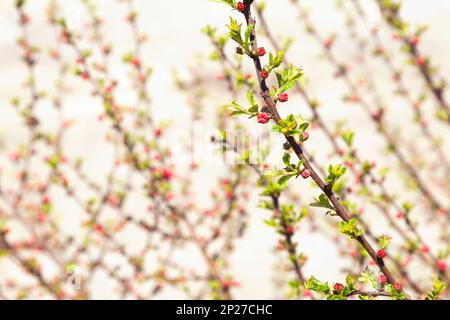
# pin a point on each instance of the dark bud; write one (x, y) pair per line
(239, 50)
(32, 121)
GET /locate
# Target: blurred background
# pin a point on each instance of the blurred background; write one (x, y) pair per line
(176, 46)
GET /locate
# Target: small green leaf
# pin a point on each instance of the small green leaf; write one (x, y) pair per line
(248, 32)
(437, 290)
(350, 228)
(275, 61)
(299, 165)
(236, 109)
(407, 206)
(291, 125)
(394, 293)
(383, 241)
(285, 178)
(348, 137)
(335, 173)
(350, 282)
(287, 78)
(271, 223)
(316, 285)
(235, 31)
(322, 202)
(272, 188)
(254, 108)
(236, 35)
(251, 98)
(294, 284)
(368, 278)
(287, 160)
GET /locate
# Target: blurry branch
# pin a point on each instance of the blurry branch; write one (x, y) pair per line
(376, 117)
(271, 106)
(398, 77)
(390, 10)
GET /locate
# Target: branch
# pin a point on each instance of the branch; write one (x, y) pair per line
(271, 106)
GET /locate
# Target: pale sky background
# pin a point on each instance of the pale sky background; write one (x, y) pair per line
(175, 43)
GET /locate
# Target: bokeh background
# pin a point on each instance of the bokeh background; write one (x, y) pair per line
(176, 43)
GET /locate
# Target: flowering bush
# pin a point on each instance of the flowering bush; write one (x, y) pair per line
(154, 220)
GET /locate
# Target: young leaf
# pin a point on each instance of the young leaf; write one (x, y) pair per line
(383, 242)
(438, 288)
(272, 188)
(271, 223)
(334, 173)
(315, 285)
(236, 109)
(287, 160)
(369, 278)
(350, 228)
(285, 178)
(350, 287)
(287, 78)
(291, 125)
(274, 61)
(299, 165)
(348, 137)
(394, 293)
(248, 32)
(407, 206)
(254, 109)
(322, 202)
(235, 31)
(251, 98)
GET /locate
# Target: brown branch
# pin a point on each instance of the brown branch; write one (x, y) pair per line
(271, 105)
